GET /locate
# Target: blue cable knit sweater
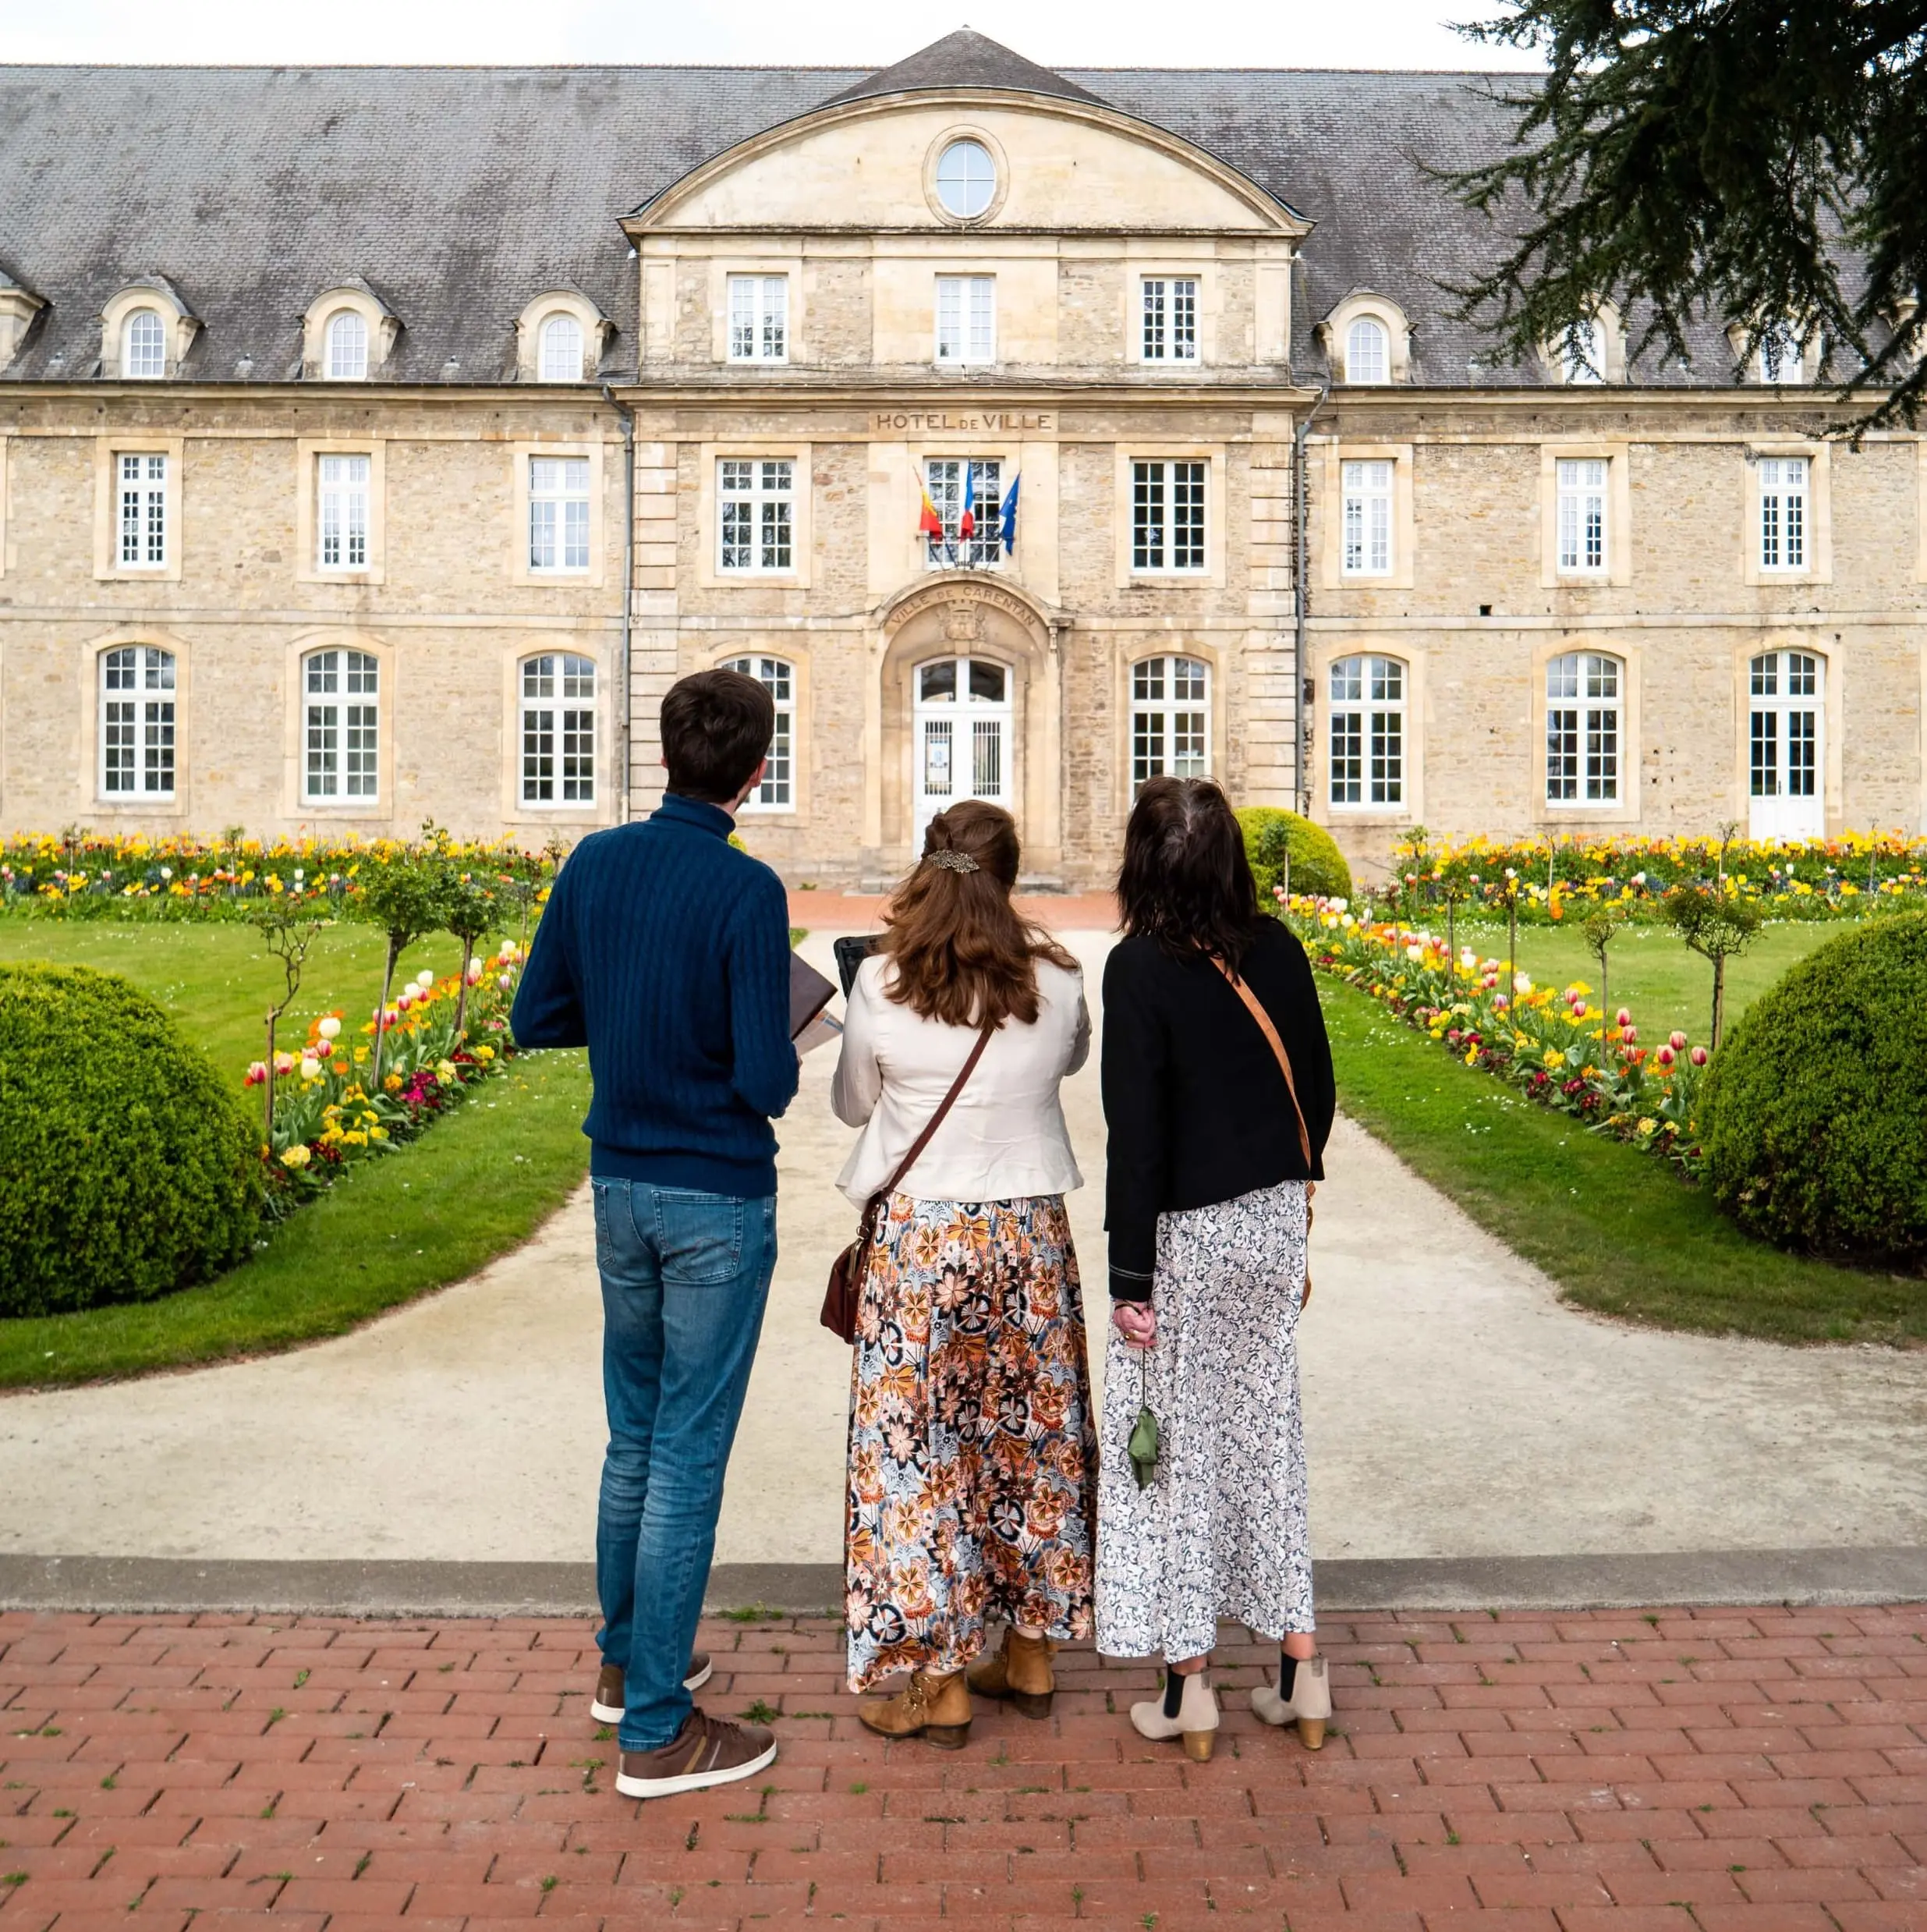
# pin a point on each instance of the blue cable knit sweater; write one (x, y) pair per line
(666, 952)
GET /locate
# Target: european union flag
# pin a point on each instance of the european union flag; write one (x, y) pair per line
(1009, 517)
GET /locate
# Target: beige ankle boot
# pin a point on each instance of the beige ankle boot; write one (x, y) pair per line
(1196, 1722)
(938, 1708)
(1309, 1707)
(1020, 1671)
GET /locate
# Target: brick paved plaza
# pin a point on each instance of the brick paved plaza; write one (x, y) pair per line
(1757, 1770)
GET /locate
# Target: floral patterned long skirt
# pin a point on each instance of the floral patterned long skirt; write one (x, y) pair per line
(972, 1467)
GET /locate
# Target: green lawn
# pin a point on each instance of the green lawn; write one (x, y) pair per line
(475, 1185)
(1663, 985)
(1616, 1228)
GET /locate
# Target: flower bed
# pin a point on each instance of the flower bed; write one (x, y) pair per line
(435, 1047)
(1833, 878)
(1556, 1048)
(81, 875)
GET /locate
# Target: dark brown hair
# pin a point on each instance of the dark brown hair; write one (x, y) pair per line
(961, 954)
(1185, 881)
(717, 726)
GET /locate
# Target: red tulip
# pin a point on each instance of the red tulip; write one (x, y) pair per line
(1664, 1057)
(1677, 1043)
(1629, 1034)
(1699, 1056)
(1623, 1017)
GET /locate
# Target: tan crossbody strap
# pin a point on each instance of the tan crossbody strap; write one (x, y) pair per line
(1270, 1032)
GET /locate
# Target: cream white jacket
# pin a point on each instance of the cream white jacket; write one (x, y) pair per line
(1004, 1139)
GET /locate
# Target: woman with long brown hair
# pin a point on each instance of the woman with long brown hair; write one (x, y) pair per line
(972, 1462)
(1218, 1095)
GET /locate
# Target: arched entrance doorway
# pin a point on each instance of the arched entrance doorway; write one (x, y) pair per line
(962, 725)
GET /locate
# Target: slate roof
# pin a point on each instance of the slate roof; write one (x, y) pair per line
(964, 59)
(461, 193)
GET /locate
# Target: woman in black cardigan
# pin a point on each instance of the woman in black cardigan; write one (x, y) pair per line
(1214, 1153)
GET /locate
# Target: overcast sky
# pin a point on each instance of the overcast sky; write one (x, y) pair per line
(834, 33)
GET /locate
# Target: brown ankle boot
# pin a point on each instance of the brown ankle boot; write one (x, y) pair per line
(1020, 1671)
(938, 1708)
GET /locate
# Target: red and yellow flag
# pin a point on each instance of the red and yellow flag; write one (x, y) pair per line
(929, 523)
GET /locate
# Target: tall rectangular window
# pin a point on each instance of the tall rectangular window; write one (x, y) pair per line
(1367, 519)
(1167, 516)
(558, 514)
(1171, 319)
(1783, 488)
(341, 724)
(758, 318)
(756, 501)
(143, 517)
(1584, 720)
(1582, 516)
(137, 722)
(777, 793)
(341, 522)
(956, 483)
(1367, 732)
(1169, 719)
(966, 318)
(559, 730)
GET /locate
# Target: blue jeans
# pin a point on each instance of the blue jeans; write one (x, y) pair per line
(685, 1278)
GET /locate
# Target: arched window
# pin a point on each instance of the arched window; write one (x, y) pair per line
(1584, 729)
(561, 349)
(1786, 727)
(1368, 731)
(1366, 351)
(777, 792)
(137, 722)
(1170, 719)
(340, 726)
(347, 347)
(559, 730)
(1582, 351)
(143, 345)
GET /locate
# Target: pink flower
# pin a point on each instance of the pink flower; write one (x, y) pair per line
(475, 972)
(257, 1073)
(1629, 1034)
(504, 981)
(1664, 1057)
(1622, 1018)
(1699, 1056)
(1677, 1043)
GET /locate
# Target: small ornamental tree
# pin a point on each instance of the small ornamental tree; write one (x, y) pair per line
(288, 933)
(1714, 925)
(470, 915)
(405, 895)
(1600, 930)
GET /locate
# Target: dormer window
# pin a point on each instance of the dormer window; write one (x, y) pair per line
(1582, 351)
(561, 349)
(1781, 358)
(143, 346)
(347, 347)
(1367, 351)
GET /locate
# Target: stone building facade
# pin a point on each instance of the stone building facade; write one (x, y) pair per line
(388, 456)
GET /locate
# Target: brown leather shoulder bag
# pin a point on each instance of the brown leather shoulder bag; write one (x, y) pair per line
(845, 1292)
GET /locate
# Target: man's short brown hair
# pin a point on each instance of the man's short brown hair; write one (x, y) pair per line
(717, 726)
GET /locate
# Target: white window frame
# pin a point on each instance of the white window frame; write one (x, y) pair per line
(340, 727)
(560, 488)
(1170, 718)
(966, 320)
(1168, 319)
(1155, 510)
(1582, 487)
(756, 517)
(137, 729)
(1582, 351)
(1785, 512)
(344, 360)
(1368, 737)
(759, 318)
(1586, 766)
(943, 483)
(1368, 544)
(777, 676)
(1377, 363)
(143, 534)
(970, 180)
(343, 499)
(1787, 692)
(144, 348)
(564, 364)
(555, 731)
(1780, 358)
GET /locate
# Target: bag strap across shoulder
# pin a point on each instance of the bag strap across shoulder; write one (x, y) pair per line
(936, 1119)
(1270, 1032)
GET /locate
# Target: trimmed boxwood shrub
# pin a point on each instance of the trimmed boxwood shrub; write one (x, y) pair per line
(1814, 1118)
(1318, 866)
(126, 1170)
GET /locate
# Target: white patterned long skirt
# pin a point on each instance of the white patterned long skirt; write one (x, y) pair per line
(1222, 1530)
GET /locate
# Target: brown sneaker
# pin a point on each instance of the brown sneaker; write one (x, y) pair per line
(706, 1751)
(606, 1705)
(1020, 1671)
(938, 1708)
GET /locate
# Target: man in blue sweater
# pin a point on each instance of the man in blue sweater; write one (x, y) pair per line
(666, 952)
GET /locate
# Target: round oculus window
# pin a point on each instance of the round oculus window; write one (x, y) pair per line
(966, 179)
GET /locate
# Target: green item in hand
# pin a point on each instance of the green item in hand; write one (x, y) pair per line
(1142, 1446)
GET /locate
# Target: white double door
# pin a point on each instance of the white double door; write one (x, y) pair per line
(961, 736)
(1787, 746)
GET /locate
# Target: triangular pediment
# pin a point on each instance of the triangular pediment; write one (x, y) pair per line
(964, 59)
